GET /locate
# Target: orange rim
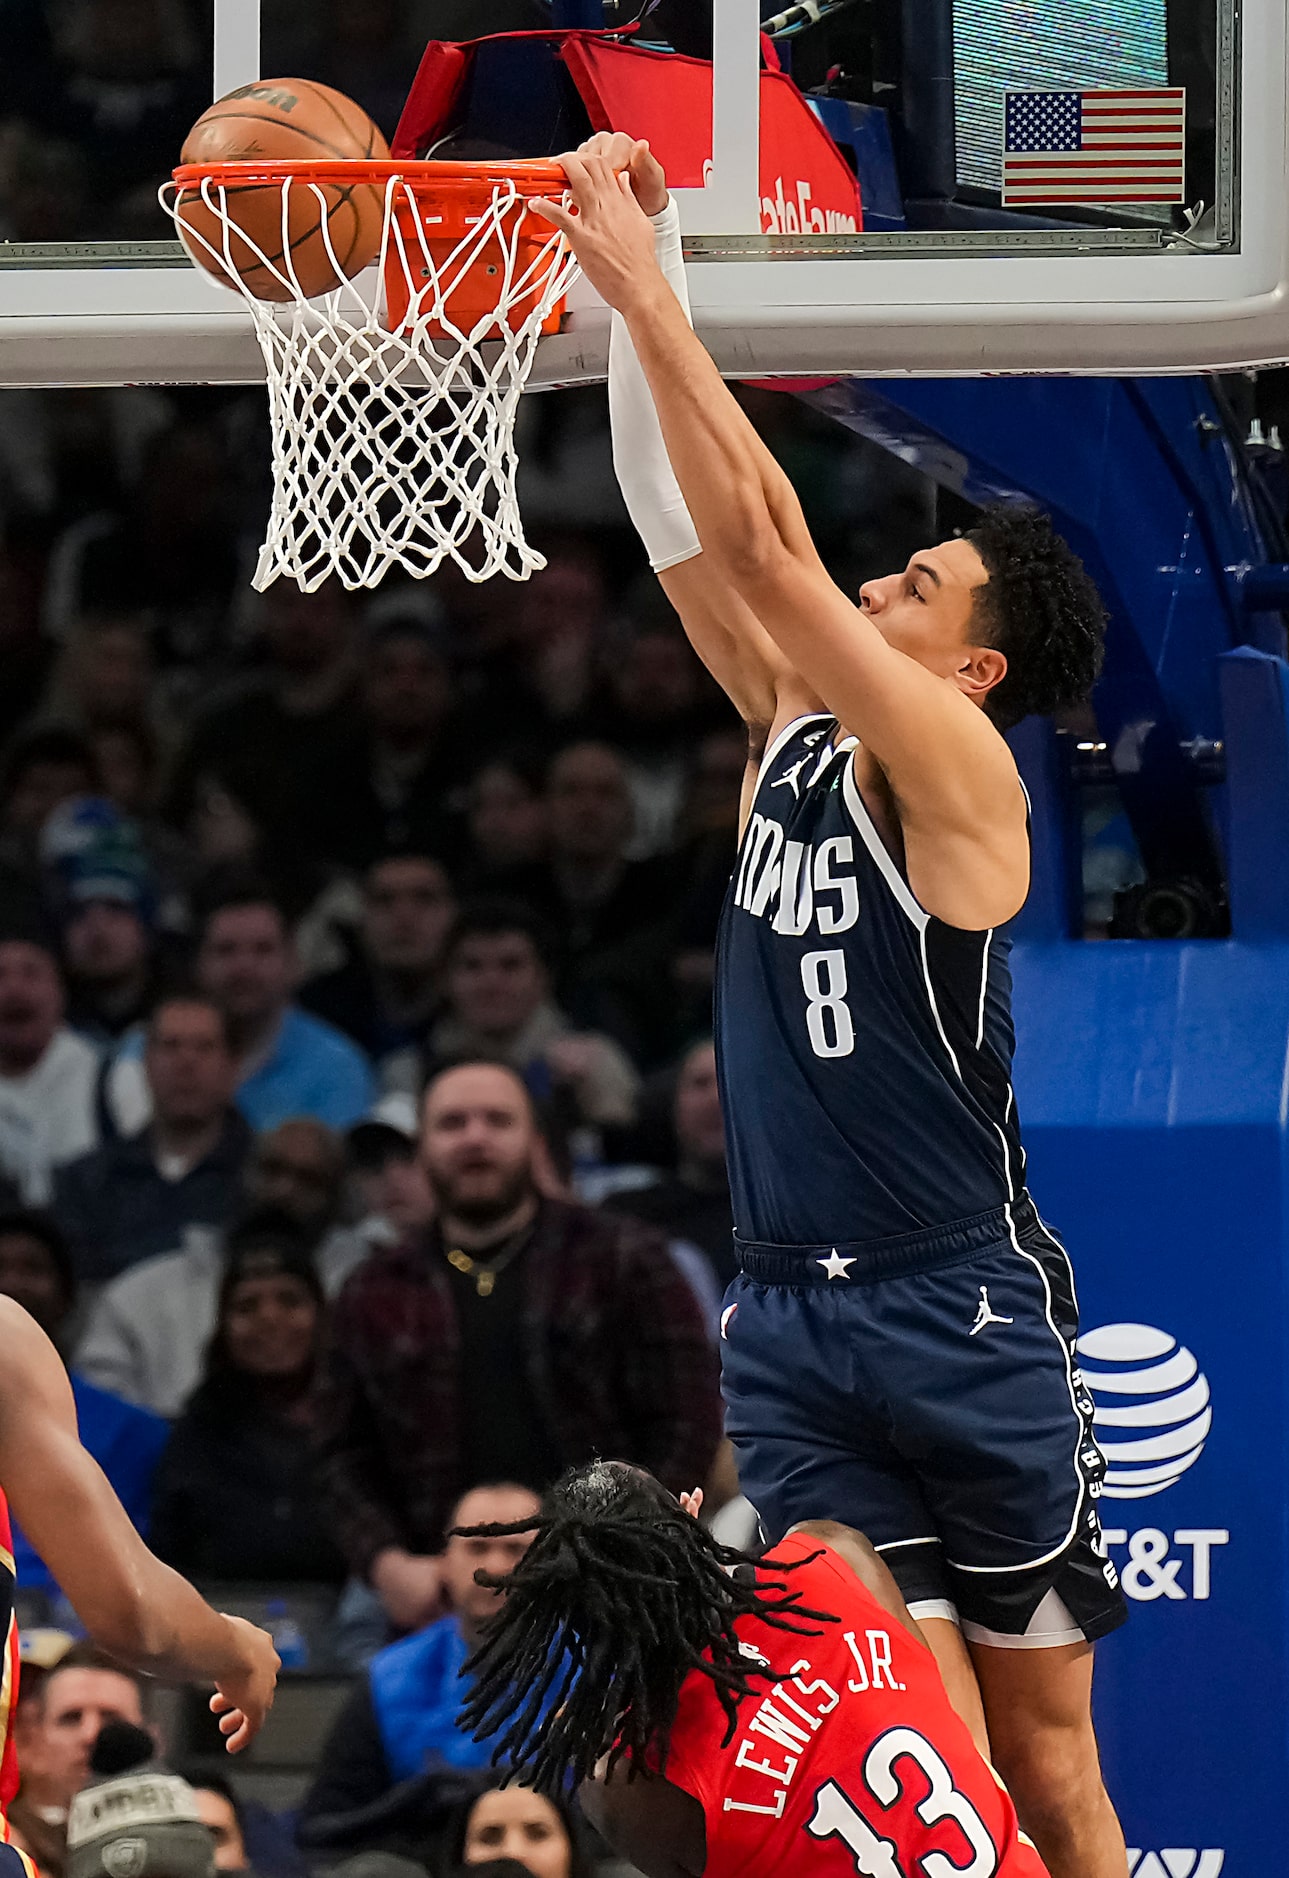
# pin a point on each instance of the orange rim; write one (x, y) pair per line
(532, 177)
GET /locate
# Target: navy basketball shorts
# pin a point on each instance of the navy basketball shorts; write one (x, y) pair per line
(924, 1390)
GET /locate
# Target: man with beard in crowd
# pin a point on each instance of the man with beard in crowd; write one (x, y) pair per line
(514, 1337)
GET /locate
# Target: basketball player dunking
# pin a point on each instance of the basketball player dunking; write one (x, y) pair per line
(130, 1603)
(899, 1348)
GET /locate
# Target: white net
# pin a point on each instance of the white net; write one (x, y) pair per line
(393, 437)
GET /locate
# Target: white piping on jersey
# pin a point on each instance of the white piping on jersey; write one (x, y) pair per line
(918, 915)
(984, 985)
(878, 849)
(893, 1545)
(1080, 1433)
(935, 1009)
(921, 919)
(807, 717)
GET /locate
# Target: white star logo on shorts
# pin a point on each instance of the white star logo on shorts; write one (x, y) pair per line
(834, 1265)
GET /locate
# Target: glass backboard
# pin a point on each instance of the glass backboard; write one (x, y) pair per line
(1071, 185)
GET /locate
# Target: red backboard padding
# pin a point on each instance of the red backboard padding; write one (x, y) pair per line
(806, 185)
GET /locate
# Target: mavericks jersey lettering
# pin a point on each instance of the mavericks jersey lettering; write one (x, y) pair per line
(852, 1763)
(864, 1048)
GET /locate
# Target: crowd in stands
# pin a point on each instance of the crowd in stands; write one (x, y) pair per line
(360, 1147)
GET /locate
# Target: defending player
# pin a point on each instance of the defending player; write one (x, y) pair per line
(731, 1720)
(899, 1347)
(130, 1603)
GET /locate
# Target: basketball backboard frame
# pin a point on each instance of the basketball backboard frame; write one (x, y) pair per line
(942, 303)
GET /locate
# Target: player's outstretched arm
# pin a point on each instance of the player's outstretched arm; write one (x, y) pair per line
(721, 627)
(952, 774)
(134, 1606)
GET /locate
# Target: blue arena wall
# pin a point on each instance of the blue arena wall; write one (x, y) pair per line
(1152, 1077)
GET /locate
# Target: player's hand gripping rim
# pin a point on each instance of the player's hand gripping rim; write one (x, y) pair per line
(607, 228)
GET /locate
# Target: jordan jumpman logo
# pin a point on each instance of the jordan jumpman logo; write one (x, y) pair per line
(984, 1314)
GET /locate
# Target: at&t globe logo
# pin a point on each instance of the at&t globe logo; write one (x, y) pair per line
(1152, 1407)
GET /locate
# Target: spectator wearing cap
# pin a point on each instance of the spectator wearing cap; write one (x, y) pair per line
(48, 1075)
(691, 1203)
(80, 1695)
(134, 1816)
(288, 1063)
(391, 785)
(126, 1441)
(388, 1763)
(499, 1003)
(512, 1337)
(388, 1192)
(135, 1197)
(389, 990)
(99, 880)
(147, 1332)
(235, 1498)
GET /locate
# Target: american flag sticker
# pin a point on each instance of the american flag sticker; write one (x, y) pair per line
(1094, 146)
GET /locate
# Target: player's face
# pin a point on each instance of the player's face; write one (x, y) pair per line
(477, 1141)
(926, 611)
(514, 1822)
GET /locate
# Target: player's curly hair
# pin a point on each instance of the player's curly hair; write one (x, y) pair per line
(1040, 607)
(619, 1597)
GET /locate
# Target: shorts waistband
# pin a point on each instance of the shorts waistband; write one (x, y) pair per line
(862, 1261)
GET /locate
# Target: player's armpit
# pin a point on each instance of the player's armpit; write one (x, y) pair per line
(863, 1559)
(950, 770)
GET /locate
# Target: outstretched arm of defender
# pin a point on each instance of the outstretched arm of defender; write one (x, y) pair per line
(130, 1603)
(947, 764)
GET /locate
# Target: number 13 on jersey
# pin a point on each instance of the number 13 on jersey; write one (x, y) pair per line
(836, 1816)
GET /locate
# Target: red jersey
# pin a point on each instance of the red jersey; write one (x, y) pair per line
(853, 1763)
(9, 1672)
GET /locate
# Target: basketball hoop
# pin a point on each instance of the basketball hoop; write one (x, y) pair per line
(393, 396)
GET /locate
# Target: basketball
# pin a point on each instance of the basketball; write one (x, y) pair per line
(290, 119)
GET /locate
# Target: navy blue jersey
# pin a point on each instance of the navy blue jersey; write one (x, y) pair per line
(864, 1047)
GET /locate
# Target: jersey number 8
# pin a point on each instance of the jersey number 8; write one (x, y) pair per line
(837, 1817)
(828, 1020)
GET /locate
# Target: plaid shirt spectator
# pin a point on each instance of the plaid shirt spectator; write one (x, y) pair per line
(617, 1360)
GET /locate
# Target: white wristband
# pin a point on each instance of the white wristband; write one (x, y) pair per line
(644, 471)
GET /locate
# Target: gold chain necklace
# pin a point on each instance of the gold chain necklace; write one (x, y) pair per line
(485, 1271)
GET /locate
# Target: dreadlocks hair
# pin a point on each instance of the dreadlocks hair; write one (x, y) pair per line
(1040, 607)
(619, 1597)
